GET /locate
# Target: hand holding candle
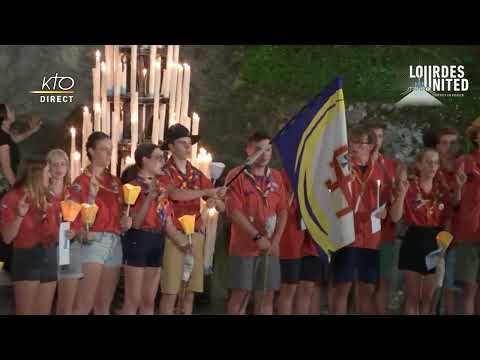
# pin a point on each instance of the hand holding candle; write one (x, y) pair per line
(130, 195)
(378, 193)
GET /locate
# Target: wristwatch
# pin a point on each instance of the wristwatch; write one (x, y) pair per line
(257, 237)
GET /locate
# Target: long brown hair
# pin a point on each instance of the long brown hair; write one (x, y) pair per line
(31, 179)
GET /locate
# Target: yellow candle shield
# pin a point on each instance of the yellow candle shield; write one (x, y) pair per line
(130, 193)
(444, 239)
(89, 213)
(188, 224)
(70, 210)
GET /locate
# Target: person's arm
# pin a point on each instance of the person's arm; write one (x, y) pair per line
(188, 194)
(461, 179)
(10, 229)
(35, 125)
(5, 164)
(396, 211)
(139, 215)
(279, 227)
(178, 238)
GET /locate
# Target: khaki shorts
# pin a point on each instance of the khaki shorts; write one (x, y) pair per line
(468, 263)
(173, 267)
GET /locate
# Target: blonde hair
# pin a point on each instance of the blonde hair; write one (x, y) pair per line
(31, 179)
(60, 154)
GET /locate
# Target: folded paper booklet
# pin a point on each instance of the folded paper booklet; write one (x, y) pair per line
(433, 259)
(63, 245)
(376, 219)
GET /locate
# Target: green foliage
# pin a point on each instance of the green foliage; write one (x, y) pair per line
(371, 73)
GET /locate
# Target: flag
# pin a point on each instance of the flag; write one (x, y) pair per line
(313, 147)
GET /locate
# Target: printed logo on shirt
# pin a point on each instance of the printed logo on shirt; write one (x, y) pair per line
(56, 89)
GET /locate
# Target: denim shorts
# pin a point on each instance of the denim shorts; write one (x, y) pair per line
(35, 264)
(74, 269)
(104, 248)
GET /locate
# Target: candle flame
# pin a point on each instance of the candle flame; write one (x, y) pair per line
(129, 160)
(212, 212)
(85, 109)
(378, 182)
(76, 156)
(134, 118)
(72, 131)
(97, 54)
(186, 66)
(103, 66)
(144, 71)
(195, 117)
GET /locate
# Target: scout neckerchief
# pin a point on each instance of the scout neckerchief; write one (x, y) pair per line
(363, 179)
(114, 189)
(187, 180)
(162, 201)
(268, 187)
(430, 201)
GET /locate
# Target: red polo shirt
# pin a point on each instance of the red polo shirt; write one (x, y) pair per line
(109, 201)
(429, 210)
(467, 222)
(160, 208)
(388, 166)
(364, 193)
(38, 227)
(293, 236)
(194, 179)
(244, 196)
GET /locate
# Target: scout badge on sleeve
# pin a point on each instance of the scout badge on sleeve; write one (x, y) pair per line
(130, 195)
(188, 225)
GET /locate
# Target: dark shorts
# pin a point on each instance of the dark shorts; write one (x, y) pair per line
(416, 245)
(310, 268)
(143, 248)
(35, 264)
(350, 263)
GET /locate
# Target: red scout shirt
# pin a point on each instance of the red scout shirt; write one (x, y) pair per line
(467, 222)
(159, 210)
(309, 248)
(109, 201)
(38, 227)
(258, 200)
(194, 179)
(388, 166)
(429, 210)
(364, 202)
(293, 236)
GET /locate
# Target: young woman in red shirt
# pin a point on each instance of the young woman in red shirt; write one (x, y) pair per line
(424, 202)
(30, 223)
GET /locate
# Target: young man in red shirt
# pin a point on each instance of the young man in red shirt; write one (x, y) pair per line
(257, 205)
(361, 260)
(447, 146)
(388, 166)
(467, 226)
(184, 176)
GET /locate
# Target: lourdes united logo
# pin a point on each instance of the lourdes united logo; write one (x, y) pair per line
(432, 82)
(56, 89)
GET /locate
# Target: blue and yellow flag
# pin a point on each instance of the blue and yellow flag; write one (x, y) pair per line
(313, 147)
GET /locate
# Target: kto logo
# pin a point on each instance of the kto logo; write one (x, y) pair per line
(56, 89)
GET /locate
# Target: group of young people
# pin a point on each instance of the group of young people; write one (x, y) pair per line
(272, 260)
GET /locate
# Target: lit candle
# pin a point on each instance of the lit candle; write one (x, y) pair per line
(133, 70)
(76, 164)
(109, 68)
(172, 94)
(178, 97)
(134, 122)
(85, 134)
(185, 93)
(195, 129)
(96, 84)
(144, 72)
(163, 107)
(117, 73)
(156, 103)
(151, 80)
(176, 53)
(204, 159)
(97, 110)
(105, 128)
(72, 152)
(378, 193)
(210, 237)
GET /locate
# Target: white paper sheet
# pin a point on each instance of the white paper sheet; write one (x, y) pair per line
(376, 220)
(433, 259)
(63, 244)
